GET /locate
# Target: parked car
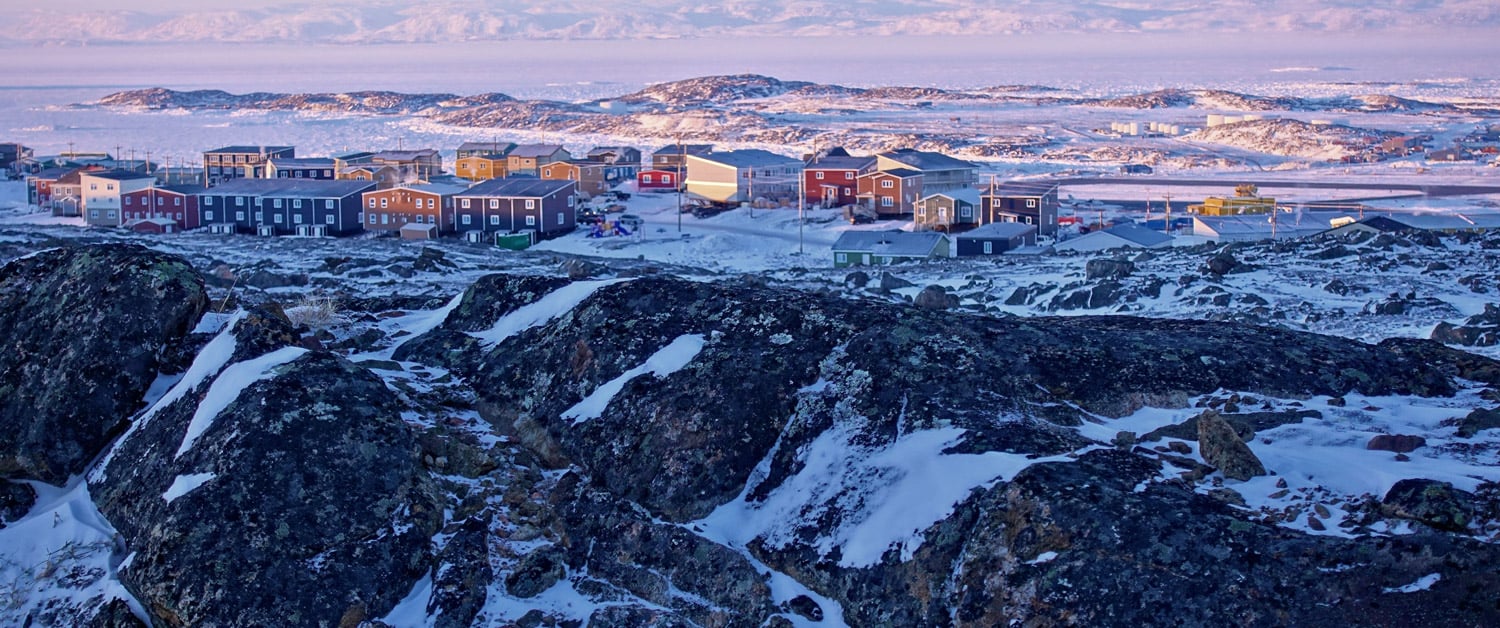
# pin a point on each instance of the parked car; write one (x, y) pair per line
(630, 221)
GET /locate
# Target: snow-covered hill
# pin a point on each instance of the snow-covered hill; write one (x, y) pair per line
(1293, 138)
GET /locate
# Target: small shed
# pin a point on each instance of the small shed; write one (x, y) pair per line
(867, 248)
(995, 238)
(418, 231)
(156, 225)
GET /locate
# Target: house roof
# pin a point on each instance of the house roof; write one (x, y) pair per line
(404, 155)
(997, 230)
(302, 162)
(615, 150)
(687, 149)
(840, 162)
(440, 189)
(1011, 189)
(889, 243)
(1260, 224)
(52, 173)
(967, 195)
(903, 173)
(512, 186)
(249, 149)
(535, 150)
(1139, 235)
(748, 158)
(927, 160)
(371, 167)
(492, 147)
(1448, 221)
(182, 189)
(289, 188)
(119, 175)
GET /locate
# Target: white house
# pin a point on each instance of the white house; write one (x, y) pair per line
(743, 176)
(1116, 237)
(103, 190)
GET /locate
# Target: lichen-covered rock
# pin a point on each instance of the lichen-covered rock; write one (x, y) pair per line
(16, 499)
(1399, 443)
(83, 328)
(462, 576)
(1434, 503)
(302, 500)
(1104, 268)
(936, 298)
(1479, 330)
(1222, 448)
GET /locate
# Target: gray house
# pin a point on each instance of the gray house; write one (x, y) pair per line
(994, 238)
(877, 248)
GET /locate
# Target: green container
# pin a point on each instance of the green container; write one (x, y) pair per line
(513, 241)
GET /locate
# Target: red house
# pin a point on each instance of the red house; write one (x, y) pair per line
(891, 192)
(668, 180)
(833, 181)
(177, 202)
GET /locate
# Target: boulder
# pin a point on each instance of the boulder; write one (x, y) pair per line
(84, 331)
(890, 282)
(431, 260)
(1399, 443)
(1478, 420)
(1223, 263)
(1479, 330)
(857, 279)
(306, 483)
(577, 268)
(1222, 448)
(1108, 269)
(936, 298)
(1434, 503)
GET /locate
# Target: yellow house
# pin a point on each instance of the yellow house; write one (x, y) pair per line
(482, 167)
(1246, 200)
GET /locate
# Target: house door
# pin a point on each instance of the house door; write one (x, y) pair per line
(830, 196)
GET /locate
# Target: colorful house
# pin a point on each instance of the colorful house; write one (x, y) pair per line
(242, 162)
(950, 210)
(994, 238)
(744, 176)
(879, 248)
(668, 167)
(301, 168)
(529, 158)
(483, 149)
(590, 175)
(622, 162)
(546, 207)
(284, 206)
(178, 203)
(940, 172)
(104, 194)
(890, 192)
(1026, 202)
(833, 181)
(422, 204)
(481, 167)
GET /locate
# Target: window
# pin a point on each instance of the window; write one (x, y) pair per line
(1030, 203)
(431, 203)
(820, 176)
(296, 203)
(989, 248)
(260, 217)
(328, 204)
(111, 213)
(328, 174)
(921, 212)
(466, 219)
(177, 201)
(559, 218)
(94, 213)
(109, 186)
(297, 218)
(966, 211)
(887, 183)
(239, 215)
(276, 203)
(842, 258)
(571, 200)
(464, 203)
(208, 215)
(494, 203)
(848, 176)
(494, 220)
(93, 186)
(277, 218)
(382, 203)
(127, 200)
(645, 178)
(179, 215)
(208, 201)
(239, 201)
(372, 203)
(886, 201)
(328, 219)
(531, 221)
(297, 174)
(1028, 220)
(385, 219)
(372, 219)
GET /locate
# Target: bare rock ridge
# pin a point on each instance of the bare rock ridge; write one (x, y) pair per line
(652, 447)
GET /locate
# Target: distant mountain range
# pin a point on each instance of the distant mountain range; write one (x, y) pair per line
(398, 21)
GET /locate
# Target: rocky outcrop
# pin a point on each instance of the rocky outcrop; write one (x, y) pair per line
(1223, 449)
(1479, 330)
(300, 501)
(84, 332)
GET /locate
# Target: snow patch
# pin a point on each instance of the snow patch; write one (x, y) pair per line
(411, 611)
(185, 484)
(555, 304)
(226, 388)
(669, 359)
(1044, 557)
(1422, 584)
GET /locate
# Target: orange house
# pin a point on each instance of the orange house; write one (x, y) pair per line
(891, 192)
(424, 204)
(588, 174)
(481, 167)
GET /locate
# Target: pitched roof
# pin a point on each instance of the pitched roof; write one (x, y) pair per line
(249, 149)
(1022, 189)
(404, 155)
(535, 150)
(1000, 230)
(302, 162)
(687, 149)
(967, 195)
(440, 189)
(904, 173)
(1139, 235)
(182, 189)
(1461, 222)
(840, 162)
(748, 158)
(289, 188)
(492, 147)
(512, 186)
(891, 243)
(927, 160)
(119, 175)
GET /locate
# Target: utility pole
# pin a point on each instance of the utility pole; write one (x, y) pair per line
(682, 165)
(1169, 213)
(751, 195)
(802, 203)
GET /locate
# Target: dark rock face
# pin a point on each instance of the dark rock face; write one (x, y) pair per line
(1477, 421)
(16, 499)
(1399, 443)
(889, 282)
(1223, 263)
(1479, 330)
(84, 329)
(1434, 503)
(1108, 269)
(316, 505)
(936, 298)
(1223, 449)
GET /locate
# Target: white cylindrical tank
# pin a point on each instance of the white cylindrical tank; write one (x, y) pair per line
(1232, 119)
(1215, 119)
(1134, 128)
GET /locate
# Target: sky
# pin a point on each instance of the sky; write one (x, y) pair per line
(93, 22)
